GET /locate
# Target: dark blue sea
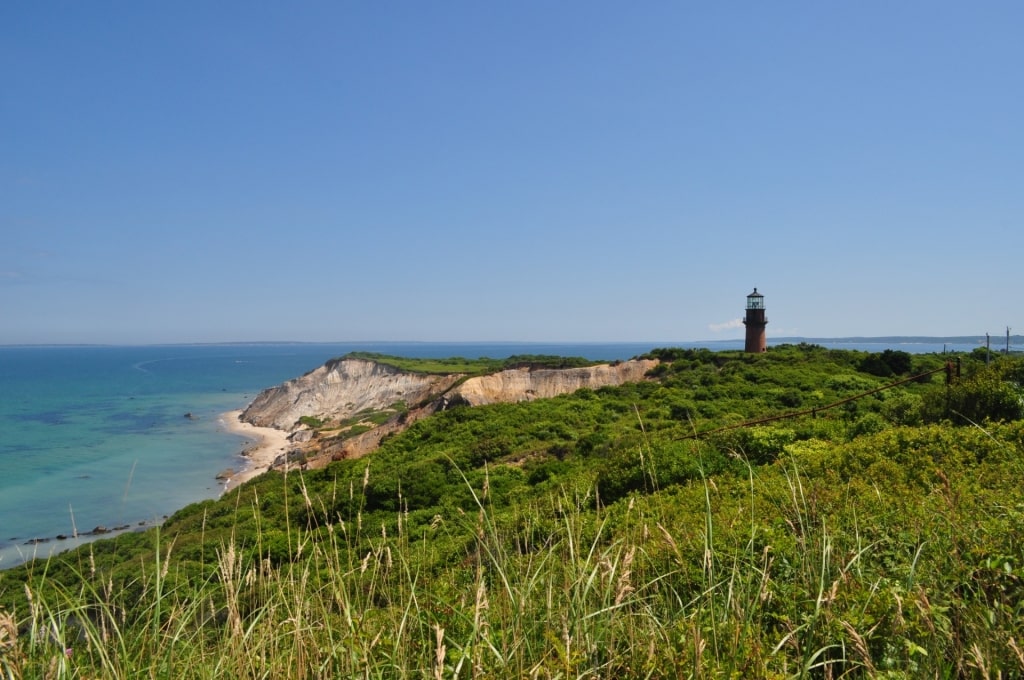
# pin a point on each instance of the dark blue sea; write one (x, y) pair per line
(97, 436)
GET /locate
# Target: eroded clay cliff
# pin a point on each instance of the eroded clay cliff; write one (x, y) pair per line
(340, 389)
(525, 384)
(345, 388)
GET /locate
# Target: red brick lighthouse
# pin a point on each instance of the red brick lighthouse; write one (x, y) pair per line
(755, 322)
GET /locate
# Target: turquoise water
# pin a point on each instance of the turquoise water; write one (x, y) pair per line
(97, 436)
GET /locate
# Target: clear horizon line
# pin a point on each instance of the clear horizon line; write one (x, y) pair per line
(653, 343)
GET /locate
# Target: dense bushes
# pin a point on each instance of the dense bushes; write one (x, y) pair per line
(886, 363)
(991, 393)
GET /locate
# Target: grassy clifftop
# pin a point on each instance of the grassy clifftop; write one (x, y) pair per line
(480, 366)
(598, 534)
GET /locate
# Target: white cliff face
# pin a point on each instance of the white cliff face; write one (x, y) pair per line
(523, 384)
(340, 389)
(343, 388)
(506, 386)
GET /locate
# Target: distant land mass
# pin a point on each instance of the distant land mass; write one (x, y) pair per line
(401, 346)
(911, 339)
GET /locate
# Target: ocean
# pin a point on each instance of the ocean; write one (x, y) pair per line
(98, 437)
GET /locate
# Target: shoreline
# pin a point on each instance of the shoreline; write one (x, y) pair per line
(262, 446)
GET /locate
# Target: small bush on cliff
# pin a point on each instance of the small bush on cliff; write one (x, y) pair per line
(312, 422)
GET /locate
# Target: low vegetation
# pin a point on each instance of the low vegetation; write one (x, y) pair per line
(471, 367)
(646, 530)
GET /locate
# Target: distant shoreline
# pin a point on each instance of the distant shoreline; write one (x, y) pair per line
(904, 339)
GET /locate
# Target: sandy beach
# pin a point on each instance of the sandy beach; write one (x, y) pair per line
(263, 445)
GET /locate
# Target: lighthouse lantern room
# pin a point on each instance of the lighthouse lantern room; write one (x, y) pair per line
(755, 321)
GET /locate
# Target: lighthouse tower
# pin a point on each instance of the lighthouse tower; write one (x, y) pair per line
(755, 322)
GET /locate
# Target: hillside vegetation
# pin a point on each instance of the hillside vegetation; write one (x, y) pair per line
(645, 530)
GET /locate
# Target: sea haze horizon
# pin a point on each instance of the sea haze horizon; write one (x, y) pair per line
(793, 339)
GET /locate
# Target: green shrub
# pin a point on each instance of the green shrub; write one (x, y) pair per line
(990, 394)
(887, 363)
(868, 423)
(311, 422)
(758, 445)
(904, 409)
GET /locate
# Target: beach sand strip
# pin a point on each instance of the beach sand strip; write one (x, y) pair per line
(263, 445)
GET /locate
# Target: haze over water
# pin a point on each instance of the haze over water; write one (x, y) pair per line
(97, 436)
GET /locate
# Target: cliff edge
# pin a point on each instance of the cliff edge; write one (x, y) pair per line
(356, 402)
(341, 389)
(526, 384)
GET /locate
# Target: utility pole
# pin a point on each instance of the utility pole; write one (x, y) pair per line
(1007, 341)
(988, 348)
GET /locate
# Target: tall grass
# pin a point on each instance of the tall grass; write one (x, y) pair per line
(774, 576)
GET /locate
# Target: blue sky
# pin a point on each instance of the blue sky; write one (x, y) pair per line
(535, 171)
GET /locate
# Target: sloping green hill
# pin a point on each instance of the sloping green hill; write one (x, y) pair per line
(621, 532)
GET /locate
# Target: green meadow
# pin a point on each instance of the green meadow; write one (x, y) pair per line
(804, 513)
